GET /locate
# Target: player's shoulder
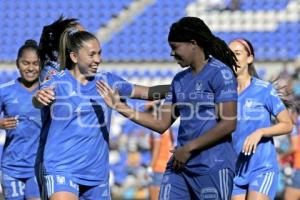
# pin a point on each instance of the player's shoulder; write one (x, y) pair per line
(110, 78)
(103, 74)
(8, 84)
(258, 83)
(216, 66)
(106, 76)
(182, 74)
(59, 75)
(51, 65)
(218, 71)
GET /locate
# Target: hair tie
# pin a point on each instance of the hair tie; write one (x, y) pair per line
(245, 44)
(72, 31)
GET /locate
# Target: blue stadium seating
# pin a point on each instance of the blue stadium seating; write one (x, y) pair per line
(145, 38)
(263, 4)
(21, 20)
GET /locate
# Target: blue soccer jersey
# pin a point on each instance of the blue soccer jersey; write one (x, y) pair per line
(256, 104)
(77, 145)
(50, 68)
(21, 143)
(196, 97)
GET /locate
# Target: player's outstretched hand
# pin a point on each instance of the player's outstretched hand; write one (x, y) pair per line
(110, 96)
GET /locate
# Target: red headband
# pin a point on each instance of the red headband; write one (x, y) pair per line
(245, 44)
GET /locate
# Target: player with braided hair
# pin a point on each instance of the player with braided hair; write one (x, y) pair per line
(204, 96)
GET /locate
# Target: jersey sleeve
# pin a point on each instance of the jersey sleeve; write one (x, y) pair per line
(122, 86)
(273, 101)
(171, 97)
(224, 85)
(47, 84)
(50, 69)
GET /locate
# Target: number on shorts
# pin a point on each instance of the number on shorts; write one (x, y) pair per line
(15, 192)
(165, 192)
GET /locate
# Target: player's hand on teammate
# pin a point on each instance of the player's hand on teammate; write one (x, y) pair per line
(45, 96)
(9, 122)
(251, 142)
(180, 157)
(110, 96)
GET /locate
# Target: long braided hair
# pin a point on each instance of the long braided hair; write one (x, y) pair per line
(193, 28)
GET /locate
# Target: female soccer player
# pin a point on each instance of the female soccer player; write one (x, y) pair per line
(22, 124)
(76, 150)
(257, 166)
(49, 45)
(292, 191)
(204, 96)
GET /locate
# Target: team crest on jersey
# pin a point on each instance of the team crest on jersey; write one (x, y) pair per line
(198, 87)
(227, 75)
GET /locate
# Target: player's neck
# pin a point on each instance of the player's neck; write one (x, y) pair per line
(78, 76)
(244, 81)
(29, 85)
(199, 64)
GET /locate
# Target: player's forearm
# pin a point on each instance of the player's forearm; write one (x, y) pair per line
(283, 126)
(158, 92)
(280, 128)
(223, 129)
(150, 93)
(142, 118)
